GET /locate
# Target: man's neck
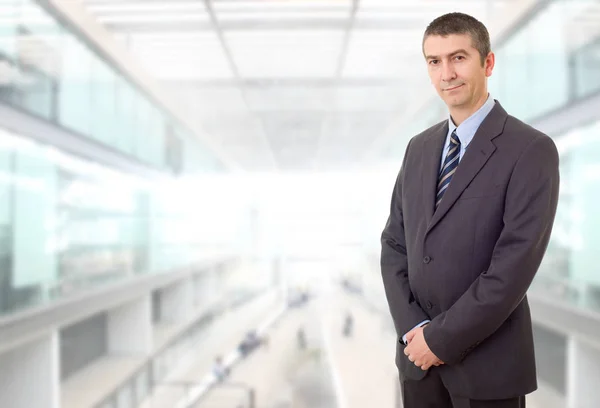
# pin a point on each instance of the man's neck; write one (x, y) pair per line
(460, 114)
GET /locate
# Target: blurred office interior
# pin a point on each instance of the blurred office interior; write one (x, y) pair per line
(192, 194)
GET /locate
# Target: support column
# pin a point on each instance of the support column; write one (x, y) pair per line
(217, 282)
(583, 373)
(203, 292)
(177, 301)
(29, 375)
(130, 328)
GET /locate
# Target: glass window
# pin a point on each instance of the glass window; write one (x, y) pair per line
(126, 116)
(6, 199)
(156, 137)
(569, 267)
(99, 209)
(34, 219)
(549, 61)
(75, 97)
(37, 54)
(586, 66)
(48, 70)
(514, 67)
(102, 102)
(531, 76)
(8, 27)
(65, 224)
(143, 135)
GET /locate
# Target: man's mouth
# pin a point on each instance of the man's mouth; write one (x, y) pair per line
(453, 88)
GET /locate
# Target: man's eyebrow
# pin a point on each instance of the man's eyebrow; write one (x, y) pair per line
(460, 51)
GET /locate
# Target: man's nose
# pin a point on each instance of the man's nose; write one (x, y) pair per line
(448, 72)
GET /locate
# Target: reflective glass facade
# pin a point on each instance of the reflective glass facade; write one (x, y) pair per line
(67, 224)
(551, 61)
(49, 71)
(569, 270)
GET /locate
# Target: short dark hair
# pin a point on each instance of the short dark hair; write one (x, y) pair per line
(460, 23)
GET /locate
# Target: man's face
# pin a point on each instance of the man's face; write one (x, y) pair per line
(455, 69)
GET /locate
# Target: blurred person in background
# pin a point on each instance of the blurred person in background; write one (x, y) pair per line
(348, 325)
(219, 369)
(250, 342)
(470, 218)
(301, 338)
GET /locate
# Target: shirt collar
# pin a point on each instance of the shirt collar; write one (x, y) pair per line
(467, 129)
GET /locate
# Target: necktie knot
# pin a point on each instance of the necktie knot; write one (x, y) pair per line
(454, 139)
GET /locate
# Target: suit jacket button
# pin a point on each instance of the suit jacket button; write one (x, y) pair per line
(427, 259)
(429, 305)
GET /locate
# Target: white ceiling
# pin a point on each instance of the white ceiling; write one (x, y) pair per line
(287, 85)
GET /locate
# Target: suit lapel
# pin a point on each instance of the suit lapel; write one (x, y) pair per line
(432, 156)
(477, 154)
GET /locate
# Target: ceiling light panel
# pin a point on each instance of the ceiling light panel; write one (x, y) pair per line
(422, 12)
(383, 54)
(275, 5)
(381, 98)
(209, 103)
(170, 17)
(431, 4)
(191, 55)
(296, 15)
(285, 54)
(146, 7)
(284, 15)
(289, 98)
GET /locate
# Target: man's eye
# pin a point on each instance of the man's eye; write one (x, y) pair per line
(460, 57)
(433, 62)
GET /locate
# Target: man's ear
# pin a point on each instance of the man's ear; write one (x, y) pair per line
(489, 63)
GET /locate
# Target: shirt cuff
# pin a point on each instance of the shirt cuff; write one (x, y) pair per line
(418, 325)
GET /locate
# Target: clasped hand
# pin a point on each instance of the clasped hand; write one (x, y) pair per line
(418, 351)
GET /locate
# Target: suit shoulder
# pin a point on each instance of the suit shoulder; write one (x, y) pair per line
(523, 134)
(421, 137)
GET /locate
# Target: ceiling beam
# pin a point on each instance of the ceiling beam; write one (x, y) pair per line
(266, 25)
(137, 8)
(219, 31)
(236, 72)
(291, 82)
(346, 41)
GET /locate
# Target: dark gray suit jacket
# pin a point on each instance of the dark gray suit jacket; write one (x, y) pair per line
(467, 266)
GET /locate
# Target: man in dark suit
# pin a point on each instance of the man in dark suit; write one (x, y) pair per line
(470, 219)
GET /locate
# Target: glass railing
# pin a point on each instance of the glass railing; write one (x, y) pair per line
(67, 224)
(568, 271)
(50, 71)
(586, 68)
(578, 293)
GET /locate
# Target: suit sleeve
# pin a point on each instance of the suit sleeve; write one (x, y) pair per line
(530, 207)
(406, 312)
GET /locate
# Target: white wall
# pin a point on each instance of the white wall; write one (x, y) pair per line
(29, 375)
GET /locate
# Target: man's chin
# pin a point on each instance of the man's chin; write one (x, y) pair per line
(454, 102)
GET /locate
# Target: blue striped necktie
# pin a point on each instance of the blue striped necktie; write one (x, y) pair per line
(449, 168)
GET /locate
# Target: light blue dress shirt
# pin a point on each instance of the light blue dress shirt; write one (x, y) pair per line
(467, 129)
(465, 132)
